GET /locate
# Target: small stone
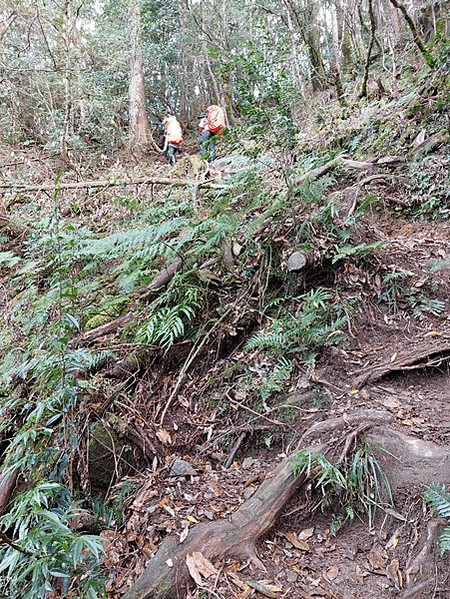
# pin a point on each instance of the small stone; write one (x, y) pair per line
(182, 468)
(291, 576)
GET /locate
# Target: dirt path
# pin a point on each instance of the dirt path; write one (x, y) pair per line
(395, 361)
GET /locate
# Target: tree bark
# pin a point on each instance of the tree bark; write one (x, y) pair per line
(138, 125)
(8, 481)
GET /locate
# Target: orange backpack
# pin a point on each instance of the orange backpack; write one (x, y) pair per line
(216, 119)
(173, 128)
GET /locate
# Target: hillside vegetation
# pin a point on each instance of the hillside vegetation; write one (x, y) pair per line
(170, 335)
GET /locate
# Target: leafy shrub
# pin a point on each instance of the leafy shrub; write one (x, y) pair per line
(45, 549)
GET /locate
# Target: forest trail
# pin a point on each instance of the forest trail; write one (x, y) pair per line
(226, 379)
(402, 367)
(211, 455)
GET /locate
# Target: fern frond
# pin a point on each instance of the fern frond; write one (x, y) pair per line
(274, 340)
(356, 250)
(440, 263)
(444, 541)
(9, 259)
(166, 325)
(438, 499)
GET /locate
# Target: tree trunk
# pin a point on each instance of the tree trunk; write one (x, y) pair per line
(138, 124)
(305, 20)
(373, 27)
(416, 37)
(67, 83)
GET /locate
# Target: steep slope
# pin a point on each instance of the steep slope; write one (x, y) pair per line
(166, 344)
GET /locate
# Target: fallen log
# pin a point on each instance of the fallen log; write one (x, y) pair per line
(315, 173)
(111, 183)
(159, 281)
(299, 261)
(409, 354)
(167, 575)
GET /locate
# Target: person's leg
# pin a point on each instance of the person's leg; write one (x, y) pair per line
(206, 135)
(171, 154)
(212, 149)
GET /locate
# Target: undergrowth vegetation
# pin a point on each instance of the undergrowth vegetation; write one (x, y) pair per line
(231, 295)
(355, 487)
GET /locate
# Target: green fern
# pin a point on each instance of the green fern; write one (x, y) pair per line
(9, 259)
(304, 330)
(273, 340)
(167, 323)
(362, 249)
(437, 265)
(438, 499)
(165, 326)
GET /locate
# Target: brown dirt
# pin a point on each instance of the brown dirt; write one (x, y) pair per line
(411, 384)
(393, 557)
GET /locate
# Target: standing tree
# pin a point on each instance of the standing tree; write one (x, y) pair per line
(138, 124)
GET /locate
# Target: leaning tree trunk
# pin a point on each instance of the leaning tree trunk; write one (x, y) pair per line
(167, 574)
(416, 37)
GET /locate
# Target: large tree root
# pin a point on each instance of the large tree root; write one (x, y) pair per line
(406, 461)
(167, 572)
(409, 354)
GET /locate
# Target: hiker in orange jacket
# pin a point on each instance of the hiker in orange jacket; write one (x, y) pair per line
(173, 137)
(207, 142)
(211, 124)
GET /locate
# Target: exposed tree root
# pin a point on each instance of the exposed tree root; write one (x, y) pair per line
(418, 562)
(361, 416)
(418, 352)
(168, 575)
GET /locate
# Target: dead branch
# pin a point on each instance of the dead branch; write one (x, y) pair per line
(111, 183)
(361, 184)
(315, 173)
